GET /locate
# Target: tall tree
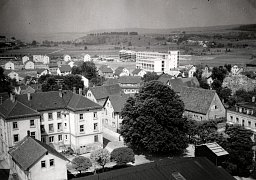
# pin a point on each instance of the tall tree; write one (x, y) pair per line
(81, 163)
(152, 121)
(150, 76)
(89, 70)
(219, 73)
(71, 81)
(122, 155)
(100, 157)
(5, 84)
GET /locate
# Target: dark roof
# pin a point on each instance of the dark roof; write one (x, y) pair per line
(4, 174)
(27, 89)
(53, 65)
(65, 68)
(129, 80)
(197, 99)
(176, 84)
(100, 92)
(118, 102)
(3, 96)
(110, 81)
(191, 82)
(196, 168)
(79, 102)
(119, 70)
(165, 78)
(105, 69)
(15, 109)
(136, 71)
(29, 150)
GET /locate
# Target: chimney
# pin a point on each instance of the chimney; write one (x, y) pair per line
(74, 90)
(80, 91)
(253, 99)
(60, 93)
(28, 133)
(29, 96)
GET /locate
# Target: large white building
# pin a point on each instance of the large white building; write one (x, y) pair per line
(41, 58)
(157, 62)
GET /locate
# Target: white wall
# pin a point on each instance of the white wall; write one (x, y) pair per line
(9, 65)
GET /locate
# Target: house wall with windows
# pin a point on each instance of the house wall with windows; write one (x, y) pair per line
(9, 66)
(29, 65)
(217, 110)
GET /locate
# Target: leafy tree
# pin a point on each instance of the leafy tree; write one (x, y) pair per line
(225, 94)
(122, 155)
(43, 78)
(5, 84)
(89, 70)
(50, 85)
(76, 70)
(81, 163)
(97, 81)
(202, 81)
(216, 85)
(100, 157)
(34, 43)
(219, 73)
(152, 121)
(150, 76)
(71, 81)
(228, 67)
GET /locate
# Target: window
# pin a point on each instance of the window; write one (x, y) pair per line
(96, 138)
(51, 129)
(249, 123)
(51, 162)
(15, 137)
(59, 126)
(32, 123)
(58, 115)
(231, 117)
(66, 137)
(81, 116)
(43, 139)
(33, 134)
(95, 126)
(81, 128)
(237, 120)
(42, 128)
(43, 165)
(95, 115)
(242, 122)
(51, 138)
(60, 137)
(15, 125)
(50, 116)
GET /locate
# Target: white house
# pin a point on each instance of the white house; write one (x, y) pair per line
(14, 75)
(71, 63)
(24, 59)
(235, 70)
(32, 159)
(64, 70)
(41, 58)
(67, 58)
(139, 72)
(121, 71)
(87, 57)
(9, 66)
(85, 81)
(29, 65)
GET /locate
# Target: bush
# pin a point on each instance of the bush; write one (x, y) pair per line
(122, 155)
(81, 163)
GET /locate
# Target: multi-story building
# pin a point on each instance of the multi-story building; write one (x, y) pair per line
(157, 62)
(41, 58)
(130, 84)
(127, 55)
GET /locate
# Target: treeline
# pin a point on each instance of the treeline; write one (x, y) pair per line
(249, 27)
(113, 33)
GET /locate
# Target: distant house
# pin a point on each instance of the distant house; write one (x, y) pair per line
(35, 160)
(53, 67)
(191, 71)
(189, 168)
(176, 85)
(40, 65)
(99, 94)
(121, 71)
(41, 72)
(29, 65)
(87, 57)
(67, 58)
(235, 70)
(202, 104)
(164, 78)
(25, 58)
(64, 70)
(9, 65)
(41, 58)
(106, 71)
(25, 89)
(61, 62)
(174, 72)
(112, 109)
(13, 75)
(71, 63)
(139, 72)
(191, 82)
(130, 84)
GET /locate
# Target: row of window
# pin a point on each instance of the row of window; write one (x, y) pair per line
(95, 128)
(51, 127)
(131, 90)
(50, 116)
(15, 124)
(51, 163)
(237, 121)
(81, 116)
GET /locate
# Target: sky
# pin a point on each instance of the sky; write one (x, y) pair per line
(52, 16)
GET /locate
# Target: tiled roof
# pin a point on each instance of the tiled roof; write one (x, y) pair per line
(196, 99)
(176, 84)
(105, 69)
(129, 80)
(79, 102)
(3, 96)
(164, 78)
(65, 68)
(29, 151)
(16, 109)
(100, 92)
(53, 65)
(118, 71)
(194, 168)
(136, 71)
(191, 82)
(118, 102)
(110, 81)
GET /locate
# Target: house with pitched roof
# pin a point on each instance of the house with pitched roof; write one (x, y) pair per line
(121, 71)
(106, 71)
(130, 84)
(29, 64)
(25, 58)
(67, 57)
(139, 72)
(53, 67)
(191, 82)
(32, 159)
(64, 70)
(16, 118)
(9, 65)
(202, 104)
(112, 109)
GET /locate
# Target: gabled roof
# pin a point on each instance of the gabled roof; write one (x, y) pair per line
(27, 89)
(118, 71)
(79, 102)
(29, 151)
(65, 68)
(105, 69)
(216, 149)
(118, 102)
(53, 65)
(165, 77)
(15, 109)
(129, 80)
(136, 71)
(191, 82)
(110, 81)
(196, 99)
(39, 71)
(176, 84)
(194, 168)
(101, 92)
